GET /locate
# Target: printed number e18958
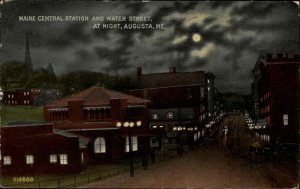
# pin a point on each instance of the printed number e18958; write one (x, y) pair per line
(23, 179)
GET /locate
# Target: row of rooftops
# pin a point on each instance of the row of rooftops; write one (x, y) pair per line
(97, 97)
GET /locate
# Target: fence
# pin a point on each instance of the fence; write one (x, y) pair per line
(76, 180)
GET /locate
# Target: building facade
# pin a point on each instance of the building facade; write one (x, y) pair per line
(30, 150)
(17, 97)
(81, 129)
(182, 103)
(28, 97)
(94, 113)
(276, 97)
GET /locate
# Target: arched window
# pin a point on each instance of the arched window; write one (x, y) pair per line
(99, 145)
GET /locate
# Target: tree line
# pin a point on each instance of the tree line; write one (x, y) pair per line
(17, 75)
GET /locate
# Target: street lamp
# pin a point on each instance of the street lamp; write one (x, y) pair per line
(179, 147)
(129, 125)
(1, 93)
(160, 138)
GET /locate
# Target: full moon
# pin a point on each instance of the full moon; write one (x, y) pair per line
(196, 37)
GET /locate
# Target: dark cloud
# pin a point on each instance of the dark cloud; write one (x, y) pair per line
(261, 9)
(220, 4)
(233, 33)
(74, 33)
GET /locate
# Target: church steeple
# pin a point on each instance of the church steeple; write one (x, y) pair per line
(27, 53)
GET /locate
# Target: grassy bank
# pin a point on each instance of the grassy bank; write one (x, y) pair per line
(19, 114)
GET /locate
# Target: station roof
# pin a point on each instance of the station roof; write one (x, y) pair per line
(97, 96)
(83, 141)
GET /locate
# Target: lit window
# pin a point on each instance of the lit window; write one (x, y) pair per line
(29, 159)
(53, 158)
(24, 101)
(202, 92)
(170, 115)
(285, 119)
(208, 81)
(27, 93)
(155, 116)
(195, 137)
(134, 144)
(8, 96)
(6, 160)
(82, 157)
(208, 88)
(63, 159)
(24, 93)
(12, 96)
(99, 145)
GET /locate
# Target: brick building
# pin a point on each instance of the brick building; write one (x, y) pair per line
(29, 150)
(33, 96)
(275, 93)
(182, 102)
(17, 97)
(94, 113)
(81, 130)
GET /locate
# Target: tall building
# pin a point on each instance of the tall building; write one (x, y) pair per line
(181, 101)
(276, 94)
(18, 87)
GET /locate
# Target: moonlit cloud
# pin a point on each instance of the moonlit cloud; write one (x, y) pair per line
(203, 52)
(180, 39)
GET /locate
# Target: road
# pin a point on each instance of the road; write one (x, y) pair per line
(238, 138)
(284, 172)
(209, 165)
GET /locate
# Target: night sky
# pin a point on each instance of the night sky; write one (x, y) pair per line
(232, 34)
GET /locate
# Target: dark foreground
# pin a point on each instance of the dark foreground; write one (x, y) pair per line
(206, 166)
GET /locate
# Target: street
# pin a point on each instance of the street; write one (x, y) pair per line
(209, 165)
